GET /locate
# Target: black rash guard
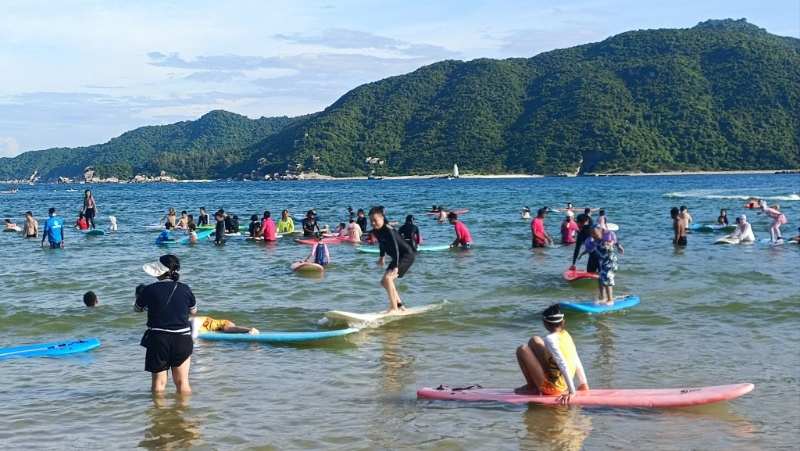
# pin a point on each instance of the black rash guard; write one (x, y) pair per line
(410, 234)
(583, 233)
(392, 243)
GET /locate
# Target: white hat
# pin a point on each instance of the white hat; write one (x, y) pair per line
(156, 269)
(742, 218)
(570, 214)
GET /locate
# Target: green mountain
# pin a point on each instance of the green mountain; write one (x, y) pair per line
(199, 149)
(723, 95)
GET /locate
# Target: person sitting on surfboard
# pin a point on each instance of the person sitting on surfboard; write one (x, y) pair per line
(165, 236)
(743, 231)
(549, 364)
(319, 252)
(540, 237)
(568, 229)
(463, 238)
(410, 232)
(392, 243)
(205, 324)
(81, 223)
(722, 219)
(778, 219)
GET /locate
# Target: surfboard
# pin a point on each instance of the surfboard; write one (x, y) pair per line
(94, 232)
(293, 233)
(711, 227)
(659, 397)
(205, 227)
(422, 248)
(153, 226)
(330, 240)
(307, 267)
(200, 236)
(574, 275)
(56, 348)
(458, 212)
(12, 229)
(277, 337)
(768, 242)
(355, 319)
(611, 227)
(590, 307)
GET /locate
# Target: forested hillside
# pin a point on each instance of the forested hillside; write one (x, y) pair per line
(199, 149)
(723, 95)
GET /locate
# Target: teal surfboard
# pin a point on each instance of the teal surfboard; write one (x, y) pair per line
(423, 248)
(56, 348)
(277, 337)
(94, 232)
(200, 235)
(590, 307)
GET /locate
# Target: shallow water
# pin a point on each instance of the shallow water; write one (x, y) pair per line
(709, 315)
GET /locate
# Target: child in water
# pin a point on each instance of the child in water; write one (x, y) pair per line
(549, 364)
(90, 299)
(192, 233)
(81, 223)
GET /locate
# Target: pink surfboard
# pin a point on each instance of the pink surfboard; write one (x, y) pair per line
(670, 397)
(307, 267)
(330, 240)
(571, 275)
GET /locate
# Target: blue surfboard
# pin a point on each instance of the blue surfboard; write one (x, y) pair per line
(200, 235)
(277, 337)
(93, 232)
(711, 227)
(590, 307)
(56, 348)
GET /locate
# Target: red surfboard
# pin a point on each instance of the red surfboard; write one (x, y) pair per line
(572, 275)
(670, 397)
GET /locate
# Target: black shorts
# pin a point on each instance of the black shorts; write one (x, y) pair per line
(535, 244)
(682, 241)
(406, 261)
(593, 265)
(166, 350)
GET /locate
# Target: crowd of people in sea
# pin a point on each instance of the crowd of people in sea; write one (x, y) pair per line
(548, 364)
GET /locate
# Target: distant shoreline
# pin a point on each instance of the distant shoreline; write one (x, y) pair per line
(444, 176)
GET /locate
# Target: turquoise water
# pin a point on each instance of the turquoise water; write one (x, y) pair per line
(709, 315)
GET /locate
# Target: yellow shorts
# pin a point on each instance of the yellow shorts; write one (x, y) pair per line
(548, 388)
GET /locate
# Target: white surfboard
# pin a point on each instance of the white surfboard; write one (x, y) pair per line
(611, 227)
(727, 240)
(375, 318)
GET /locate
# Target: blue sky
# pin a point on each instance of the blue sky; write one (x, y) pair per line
(76, 73)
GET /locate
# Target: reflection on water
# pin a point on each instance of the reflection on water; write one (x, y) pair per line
(605, 359)
(171, 429)
(396, 369)
(555, 428)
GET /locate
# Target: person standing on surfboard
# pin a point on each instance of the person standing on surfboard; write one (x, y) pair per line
(392, 243)
(463, 238)
(550, 364)
(89, 207)
(540, 237)
(584, 232)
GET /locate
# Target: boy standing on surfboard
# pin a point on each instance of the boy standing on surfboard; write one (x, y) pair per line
(401, 252)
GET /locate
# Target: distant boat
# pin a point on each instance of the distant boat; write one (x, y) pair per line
(455, 171)
(374, 177)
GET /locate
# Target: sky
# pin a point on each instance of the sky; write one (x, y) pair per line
(80, 72)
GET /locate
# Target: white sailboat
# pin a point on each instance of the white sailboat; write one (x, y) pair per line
(455, 171)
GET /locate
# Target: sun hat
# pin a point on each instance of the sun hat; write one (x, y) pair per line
(155, 269)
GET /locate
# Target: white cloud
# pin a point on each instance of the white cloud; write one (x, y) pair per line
(9, 147)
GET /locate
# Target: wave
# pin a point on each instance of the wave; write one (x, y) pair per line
(718, 194)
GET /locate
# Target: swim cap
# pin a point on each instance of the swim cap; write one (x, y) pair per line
(553, 317)
(742, 218)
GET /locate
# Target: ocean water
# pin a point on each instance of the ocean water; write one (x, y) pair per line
(709, 315)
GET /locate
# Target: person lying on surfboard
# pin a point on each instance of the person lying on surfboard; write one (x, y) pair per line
(204, 324)
(549, 364)
(392, 243)
(743, 231)
(795, 238)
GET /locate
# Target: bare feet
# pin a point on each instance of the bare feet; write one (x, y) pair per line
(601, 302)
